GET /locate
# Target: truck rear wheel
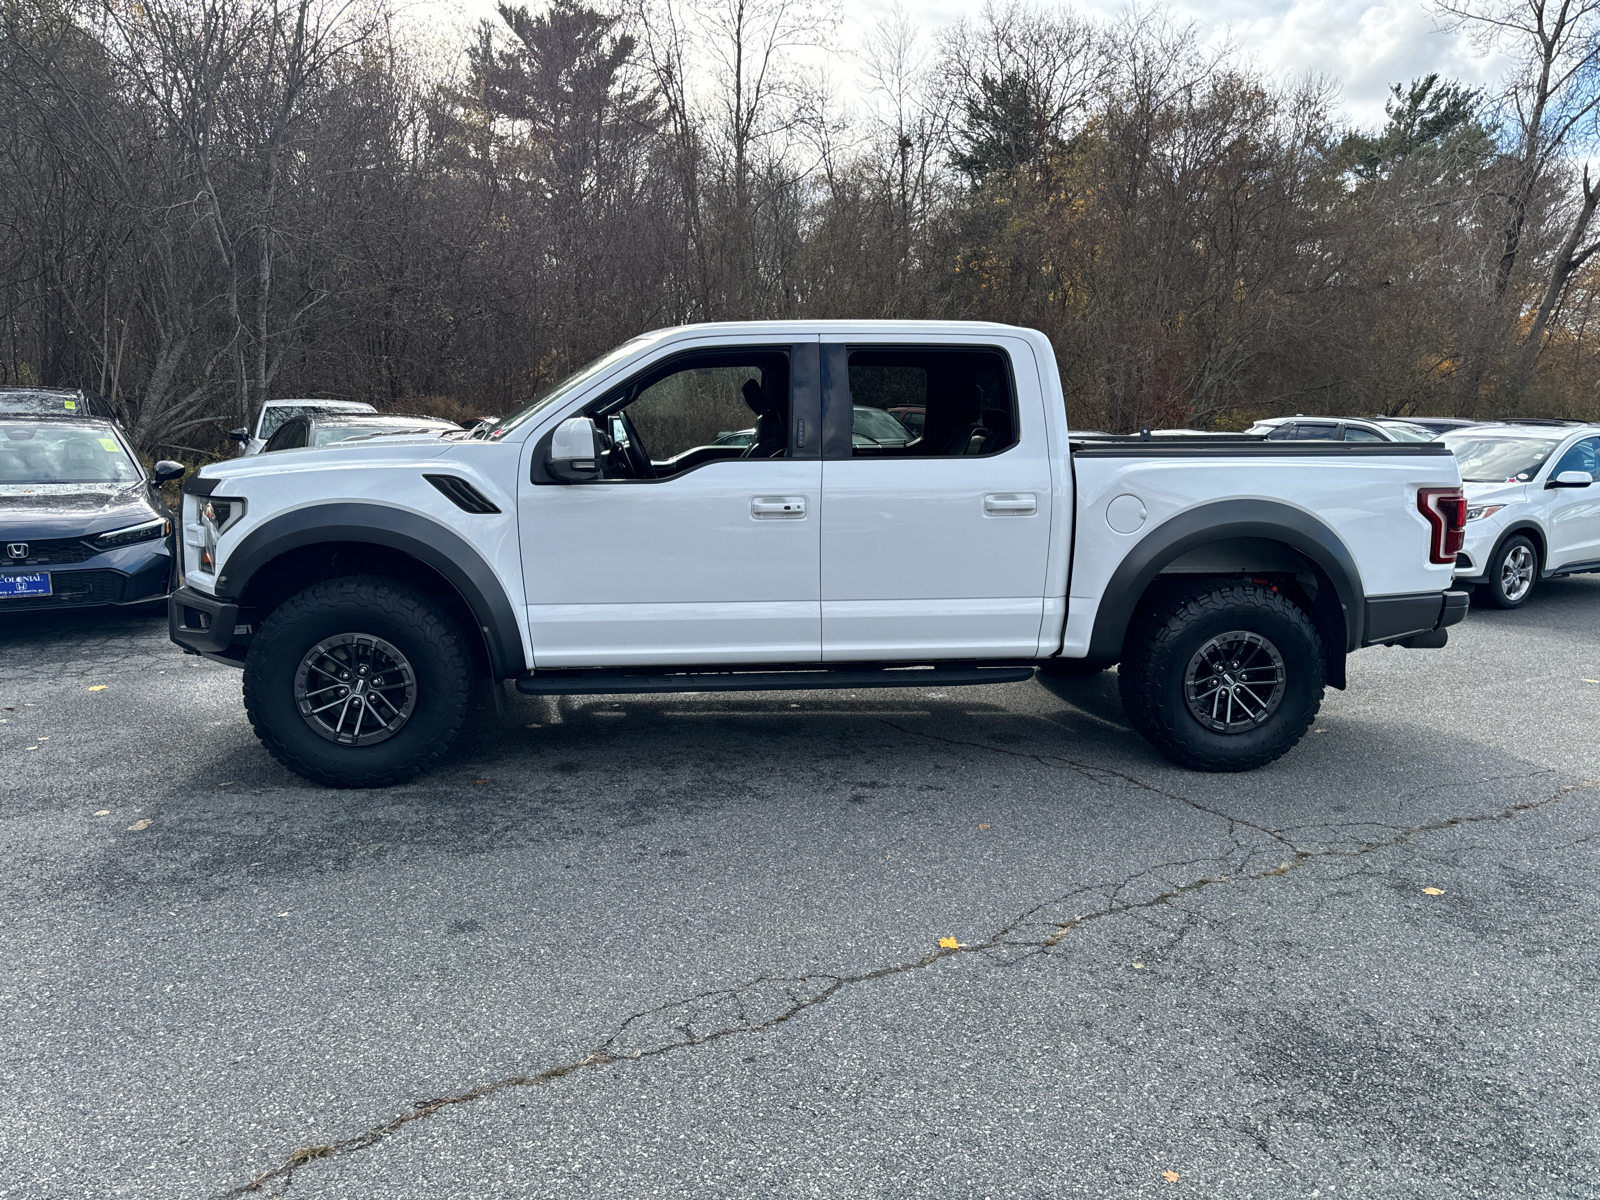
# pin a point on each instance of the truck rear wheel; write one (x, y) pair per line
(358, 682)
(1225, 677)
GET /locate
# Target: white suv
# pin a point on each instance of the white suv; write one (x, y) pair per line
(1533, 511)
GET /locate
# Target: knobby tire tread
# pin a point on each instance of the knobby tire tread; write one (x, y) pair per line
(1151, 647)
(411, 607)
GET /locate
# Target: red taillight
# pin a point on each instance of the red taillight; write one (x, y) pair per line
(1446, 511)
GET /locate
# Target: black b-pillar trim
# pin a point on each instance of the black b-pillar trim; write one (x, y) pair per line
(838, 420)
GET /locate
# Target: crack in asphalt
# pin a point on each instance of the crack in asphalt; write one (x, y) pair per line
(766, 1002)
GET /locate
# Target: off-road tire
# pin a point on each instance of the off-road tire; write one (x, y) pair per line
(1168, 631)
(370, 605)
(1493, 590)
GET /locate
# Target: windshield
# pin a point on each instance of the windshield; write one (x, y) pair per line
(1401, 432)
(44, 403)
(272, 418)
(327, 435)
(1487, 458)
(53, 452)
(571, 383)
(877, 426)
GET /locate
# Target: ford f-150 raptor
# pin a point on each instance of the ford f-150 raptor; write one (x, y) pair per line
(611, 538)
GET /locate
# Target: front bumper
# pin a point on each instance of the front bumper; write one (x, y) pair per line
(131, 575)
(201, 623)
(1418, 621)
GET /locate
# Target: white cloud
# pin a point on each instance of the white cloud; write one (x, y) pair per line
(1361, 47)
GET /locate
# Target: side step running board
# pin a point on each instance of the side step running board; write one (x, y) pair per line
(620, 683)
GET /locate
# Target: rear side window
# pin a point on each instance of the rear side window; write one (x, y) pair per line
(930, 403)
(1354, 433)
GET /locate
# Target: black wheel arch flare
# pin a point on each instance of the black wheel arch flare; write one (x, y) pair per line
(1221, 520)
(396, 529)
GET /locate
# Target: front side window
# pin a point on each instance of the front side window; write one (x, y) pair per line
(705, 407)
(1580, 457)
(930, 403)
(1316, 431)
(52, 452)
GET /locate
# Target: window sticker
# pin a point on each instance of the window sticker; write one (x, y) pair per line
(110, 445)
(70, 404)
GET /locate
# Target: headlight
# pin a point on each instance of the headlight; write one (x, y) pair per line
(145, 532)
(1483, 510)
(212, 518)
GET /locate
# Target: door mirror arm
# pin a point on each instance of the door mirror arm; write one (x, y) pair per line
(1570, 479)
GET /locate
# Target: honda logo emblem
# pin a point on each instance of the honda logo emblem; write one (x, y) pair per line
(17, 550)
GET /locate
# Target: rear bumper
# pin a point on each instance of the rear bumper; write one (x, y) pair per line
(1418, 621)
(199, 622)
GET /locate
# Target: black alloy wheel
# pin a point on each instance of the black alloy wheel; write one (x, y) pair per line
(1222, 675)
(358, 682)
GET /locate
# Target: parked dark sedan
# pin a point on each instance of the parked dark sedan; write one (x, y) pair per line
(81, 523)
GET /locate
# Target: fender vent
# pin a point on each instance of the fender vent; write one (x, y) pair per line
(462, 494)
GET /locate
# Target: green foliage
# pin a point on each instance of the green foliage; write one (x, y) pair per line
(1439, 123)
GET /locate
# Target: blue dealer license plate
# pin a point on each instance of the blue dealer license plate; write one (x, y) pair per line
(24, 585)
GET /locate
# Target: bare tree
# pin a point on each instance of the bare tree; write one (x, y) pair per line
(1551, 100)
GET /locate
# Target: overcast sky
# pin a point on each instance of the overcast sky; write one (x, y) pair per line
(1363, 47)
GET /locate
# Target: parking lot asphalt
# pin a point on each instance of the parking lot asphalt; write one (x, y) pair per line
(689, 946)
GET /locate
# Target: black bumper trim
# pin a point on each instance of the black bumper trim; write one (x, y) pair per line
(1418, 621)
(200, 622)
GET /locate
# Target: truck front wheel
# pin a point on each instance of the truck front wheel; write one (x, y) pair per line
(358, 682)
(1222, 678)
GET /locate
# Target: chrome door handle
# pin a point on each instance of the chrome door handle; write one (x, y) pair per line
(1010, 504)
(778, 508)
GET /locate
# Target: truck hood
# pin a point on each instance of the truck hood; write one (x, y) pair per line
(387, 453)
(58, 510)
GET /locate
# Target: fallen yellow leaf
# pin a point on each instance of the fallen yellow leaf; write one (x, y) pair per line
(142, 823)
(949, 944)
(102, 812)
(1171, 1176)
(1433, 891)
(1138, 966)
(99, 687)
(983, 827)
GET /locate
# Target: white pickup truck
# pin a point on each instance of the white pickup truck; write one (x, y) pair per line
(741, 507)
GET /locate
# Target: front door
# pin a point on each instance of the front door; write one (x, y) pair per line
(699, 543)
(934, 538)
(1575, 512)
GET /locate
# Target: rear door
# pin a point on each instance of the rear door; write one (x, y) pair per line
(934, 540)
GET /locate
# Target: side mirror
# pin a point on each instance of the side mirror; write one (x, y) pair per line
(1571, 479)
(166, 471)
(572, 456)
(239, 435)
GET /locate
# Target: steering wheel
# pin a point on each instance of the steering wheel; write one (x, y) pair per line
(639, 464)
